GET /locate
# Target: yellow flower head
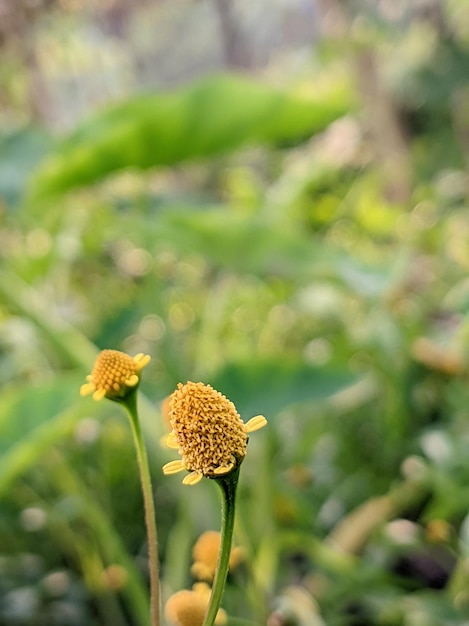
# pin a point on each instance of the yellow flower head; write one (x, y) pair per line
(188, 607)
(205, 555)
(207, 431)
(115, 374)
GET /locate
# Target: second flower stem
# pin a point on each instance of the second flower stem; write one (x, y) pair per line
(228, 485)
(149, 506)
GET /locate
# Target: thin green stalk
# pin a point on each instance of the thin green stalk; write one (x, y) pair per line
(68, 481)
(149, 506)
(228, 485)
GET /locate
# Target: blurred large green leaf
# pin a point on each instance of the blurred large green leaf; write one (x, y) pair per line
(268, 386)
(31, 420)
(212, 116)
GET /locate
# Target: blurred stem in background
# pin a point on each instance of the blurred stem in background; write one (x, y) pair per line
(107, 546)
(149, 505)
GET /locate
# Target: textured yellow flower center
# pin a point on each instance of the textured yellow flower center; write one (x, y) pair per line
(114, 374)
(207, 431)
(112, 369)
(210, 434)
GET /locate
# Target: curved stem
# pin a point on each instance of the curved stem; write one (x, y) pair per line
(149, 506)
(228, 486)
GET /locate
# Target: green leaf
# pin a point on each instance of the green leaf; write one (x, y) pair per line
(31, 420)
(215, 115)
(268, 387)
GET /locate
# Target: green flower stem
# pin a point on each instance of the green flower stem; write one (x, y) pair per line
(228, 485)
(130, 403)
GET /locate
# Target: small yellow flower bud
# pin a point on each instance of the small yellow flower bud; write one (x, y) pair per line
(188, 607)
(205, 555)
(115, 375)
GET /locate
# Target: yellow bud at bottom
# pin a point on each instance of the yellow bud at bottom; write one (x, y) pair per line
(188, 607)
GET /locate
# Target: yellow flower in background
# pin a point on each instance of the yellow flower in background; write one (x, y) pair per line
(207, 431)
(205, 555)
(115, 374)
(188, 607)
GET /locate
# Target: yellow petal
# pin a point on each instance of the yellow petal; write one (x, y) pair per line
(173, 467)
(192, 479)
(141, 360)
(99, 394)
(223, 469)
(86, 389)
(132, 380)
(172, 442)
(255, 423)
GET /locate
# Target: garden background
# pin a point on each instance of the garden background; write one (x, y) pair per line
(270, 197)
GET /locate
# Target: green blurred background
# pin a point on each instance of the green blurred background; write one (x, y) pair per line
(270, 197)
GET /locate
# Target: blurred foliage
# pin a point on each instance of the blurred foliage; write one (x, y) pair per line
(309, 259)
(215, 115)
